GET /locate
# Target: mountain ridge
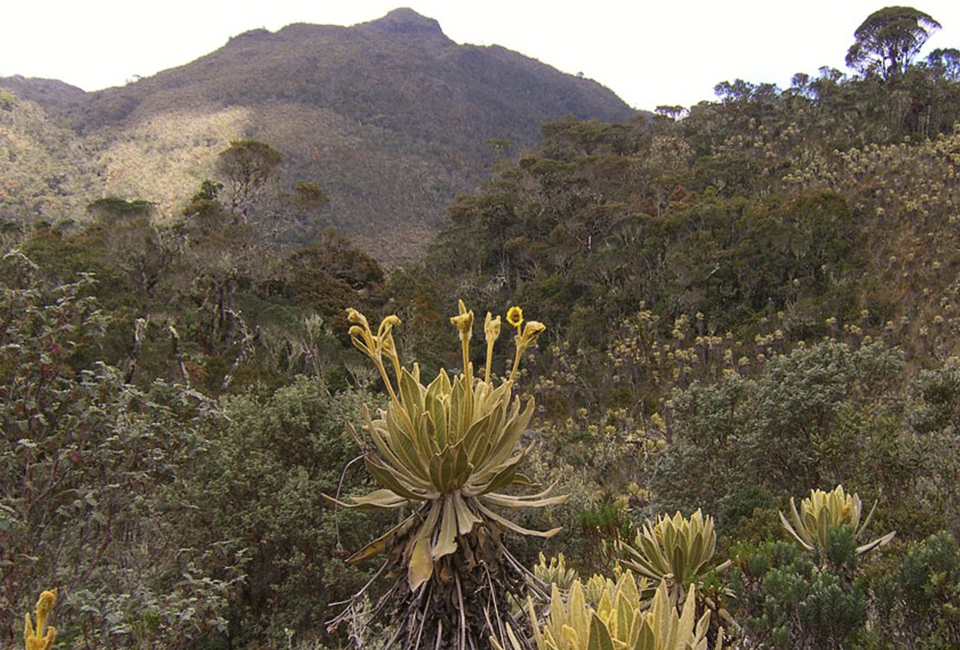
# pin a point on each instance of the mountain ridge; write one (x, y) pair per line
(45, 92)
(390, 116)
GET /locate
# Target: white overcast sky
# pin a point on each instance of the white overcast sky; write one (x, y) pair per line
(648, 52)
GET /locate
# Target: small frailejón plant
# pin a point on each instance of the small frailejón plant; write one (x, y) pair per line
(821, 511)
(445, 451)
(608, 615)
(675, 551)
(36, 639)
(556, 572)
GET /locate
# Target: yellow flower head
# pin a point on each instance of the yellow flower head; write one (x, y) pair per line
(356, 317)
(46, 602)
(515, 316)
(531, 332)
(386, 326)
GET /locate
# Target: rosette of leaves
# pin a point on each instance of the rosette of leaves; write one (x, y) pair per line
(619, 618)
(444, 453)
(674, 550)
(556, 572)
(809, 526)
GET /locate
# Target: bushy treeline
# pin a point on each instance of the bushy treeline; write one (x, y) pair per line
(165, 517)
(748, 206)
(747, 303)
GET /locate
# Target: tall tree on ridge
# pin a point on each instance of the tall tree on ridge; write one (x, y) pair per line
(888, 41)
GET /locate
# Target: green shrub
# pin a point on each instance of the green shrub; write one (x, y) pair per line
(782, 600)
(91, 477)
(270, 458)
(919, 599)
(811, 418)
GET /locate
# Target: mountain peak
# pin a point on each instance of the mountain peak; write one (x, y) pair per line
(407, 21)
(46, 92)
(392, 115)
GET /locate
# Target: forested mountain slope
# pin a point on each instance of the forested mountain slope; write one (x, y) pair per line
(390, 117)
(836, 196)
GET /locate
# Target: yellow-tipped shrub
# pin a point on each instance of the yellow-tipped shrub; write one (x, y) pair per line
(823, 510)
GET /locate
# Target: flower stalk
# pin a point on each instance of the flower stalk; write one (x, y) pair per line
(36, 639)
(524, 339)
(491, 331)
(376, 347)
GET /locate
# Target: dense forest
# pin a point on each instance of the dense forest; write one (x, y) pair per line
(714, 402)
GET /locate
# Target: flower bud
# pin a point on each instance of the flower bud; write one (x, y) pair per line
(491, 328)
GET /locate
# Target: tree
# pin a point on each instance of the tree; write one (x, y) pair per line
(112, 209)
(248, 165)
(888, 41)
(309, 196)
(945, 62)
(331, 275)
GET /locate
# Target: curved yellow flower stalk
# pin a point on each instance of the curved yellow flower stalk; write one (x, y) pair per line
(531, 331)
(464, 324)
(491, 331)
(376, 346)
(36, 639)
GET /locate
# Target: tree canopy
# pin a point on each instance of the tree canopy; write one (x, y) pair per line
(889, 40)
(247, 165)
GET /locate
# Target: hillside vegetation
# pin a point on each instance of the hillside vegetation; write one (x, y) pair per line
(715, 399)
(391, 117)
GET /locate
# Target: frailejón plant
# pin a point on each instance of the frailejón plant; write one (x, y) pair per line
(618, 619)
(824, 510)
(556, 572)
(443, 452)
(675, 550)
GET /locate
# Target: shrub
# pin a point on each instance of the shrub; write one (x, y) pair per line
(821, 414)
(919, 599)
(91, 476)
(269, 460)
(783, 601)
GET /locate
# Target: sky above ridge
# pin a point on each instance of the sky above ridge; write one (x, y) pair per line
(649, 53)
